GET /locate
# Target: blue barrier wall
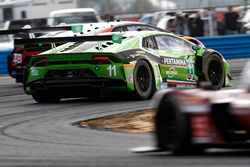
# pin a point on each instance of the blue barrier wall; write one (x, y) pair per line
(3, 61)
(230, 46)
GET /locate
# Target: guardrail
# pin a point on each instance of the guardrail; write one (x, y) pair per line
(230, 46)
(3, 61)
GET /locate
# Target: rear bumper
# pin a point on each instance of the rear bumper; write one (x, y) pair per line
(79, 83)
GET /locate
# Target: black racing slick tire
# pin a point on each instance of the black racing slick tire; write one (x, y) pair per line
(144, 85)
(214, 71)
(171, 130)
(44, 97)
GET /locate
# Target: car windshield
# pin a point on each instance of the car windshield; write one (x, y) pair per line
(4, 38)
(147, 19)
(34, 23)
(71, 18)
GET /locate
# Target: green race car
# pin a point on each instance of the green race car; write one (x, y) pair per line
(141, 62)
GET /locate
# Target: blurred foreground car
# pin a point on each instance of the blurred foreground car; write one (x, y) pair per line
(139, 62)
(18, 60)
(192, 120)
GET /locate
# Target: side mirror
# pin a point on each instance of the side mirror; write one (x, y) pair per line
(196, 48)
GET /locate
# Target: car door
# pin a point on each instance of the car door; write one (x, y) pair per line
(177, 60)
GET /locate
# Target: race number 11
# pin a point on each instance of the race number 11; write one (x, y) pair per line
(112, 70)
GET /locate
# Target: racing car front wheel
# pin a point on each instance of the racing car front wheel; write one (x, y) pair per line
(170, 125)
(45, 97)
(172, 129)
(214, 71)
(143, 80)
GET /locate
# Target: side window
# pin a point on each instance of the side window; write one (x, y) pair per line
(147, 28)
(119, 29)
(141, 27)
(149, 43)
(133, 28)
(170, 43)
(163, 42)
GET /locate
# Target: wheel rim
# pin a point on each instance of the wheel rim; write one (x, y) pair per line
(142, 78)
(215, 72)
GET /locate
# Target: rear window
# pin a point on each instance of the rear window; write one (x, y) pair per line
(71, 18)
(34, 23)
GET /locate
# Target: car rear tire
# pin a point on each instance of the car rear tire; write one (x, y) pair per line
(44, 97)
(143, 80)
(214, 71)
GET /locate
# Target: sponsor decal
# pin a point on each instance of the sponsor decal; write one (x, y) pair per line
(127, 66)
(97, 68)
(163, 86)
(190, 67)
(34, 72)
(185, 86)
(70, 74)
(174, 61)
(171, 72)
(130, 79)
(190, 77)
(77, 28)
(17, 58)
(176, 82)
(117, 38)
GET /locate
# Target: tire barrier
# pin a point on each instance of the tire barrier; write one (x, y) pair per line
(230, 46)
(3, 61)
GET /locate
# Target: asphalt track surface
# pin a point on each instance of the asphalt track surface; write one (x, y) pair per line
(33, 134)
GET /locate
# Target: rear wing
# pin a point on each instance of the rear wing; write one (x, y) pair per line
(38, 30)
(116, 38)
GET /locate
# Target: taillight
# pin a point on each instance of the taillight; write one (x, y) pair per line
(40, 62)
(101, 58)
(18, 50)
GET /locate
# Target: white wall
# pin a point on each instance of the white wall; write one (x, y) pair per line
(42, 8)
(17, 7)
(18, 10)
(1, 14)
